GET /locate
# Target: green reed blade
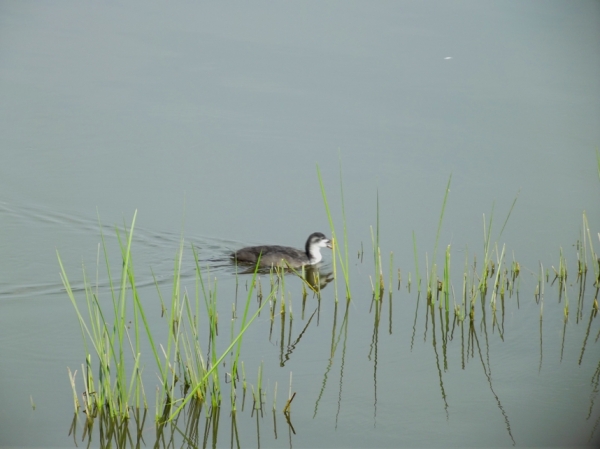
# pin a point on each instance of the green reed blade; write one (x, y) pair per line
(433, 278)
(416, 256)
(336, 248)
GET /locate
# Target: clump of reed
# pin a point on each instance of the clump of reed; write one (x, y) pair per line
(117, 332)
(113, 390)
(475, 281)
(486, 279)
(115, 335)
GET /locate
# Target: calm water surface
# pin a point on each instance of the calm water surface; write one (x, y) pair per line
(210, 120)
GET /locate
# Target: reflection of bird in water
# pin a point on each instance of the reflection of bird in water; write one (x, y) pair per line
(284, 256)
(315, 278)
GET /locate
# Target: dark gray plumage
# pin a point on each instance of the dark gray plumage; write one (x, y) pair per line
(276, 255)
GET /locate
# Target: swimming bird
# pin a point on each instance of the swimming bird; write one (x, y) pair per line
(285, 255)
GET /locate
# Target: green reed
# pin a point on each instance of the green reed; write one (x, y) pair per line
(446, 282)
(592, 253)
(498, 272)
(111, 390)
(343, 258)
(117, 339)
(416, 257)
(195, 390)
(344, 262)
(561, 276)
(182, 362)
(201, 373)
(432, 284)
(379, 283)
(460, 310)
(258, 394)
(585, 252)
(489, 268)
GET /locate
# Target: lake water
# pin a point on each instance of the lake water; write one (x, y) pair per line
(210, 120)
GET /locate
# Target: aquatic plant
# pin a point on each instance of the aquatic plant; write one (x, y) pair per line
(118, 388)
(191, 371)
(343, 257)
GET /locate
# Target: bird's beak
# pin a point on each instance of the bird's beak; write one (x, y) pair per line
(330, 244)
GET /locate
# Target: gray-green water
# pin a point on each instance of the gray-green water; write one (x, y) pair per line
(212, 118)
